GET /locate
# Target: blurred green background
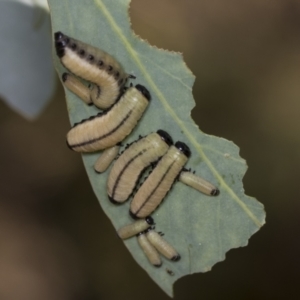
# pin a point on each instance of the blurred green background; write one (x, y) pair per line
(56, 243)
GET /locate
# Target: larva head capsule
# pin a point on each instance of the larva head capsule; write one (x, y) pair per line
(61, 42)
(149, 220)
(143, 91)
(165, 137)
(215, 192)
(176, 258)
(183, 148)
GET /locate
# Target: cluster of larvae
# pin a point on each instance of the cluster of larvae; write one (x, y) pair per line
(150, 241)
(122, 107)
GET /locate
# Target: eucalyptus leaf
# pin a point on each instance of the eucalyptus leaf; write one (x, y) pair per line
(200, 227)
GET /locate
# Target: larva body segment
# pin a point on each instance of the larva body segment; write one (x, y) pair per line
(77, 87)
(106, 158)
(159, 182)
(108, 129)
(94, 65)
(132, 162)
(149, 250)
(135, 228)
(198, 183)
(161, 245)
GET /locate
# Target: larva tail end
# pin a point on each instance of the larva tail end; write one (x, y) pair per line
(113, 201)
(133, 216)
(143, 91)
(176, 258)
(215, 192)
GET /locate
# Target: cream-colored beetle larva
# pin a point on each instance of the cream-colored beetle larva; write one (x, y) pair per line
(161, 245)
(91, 64)
(111, 127)
(159, 182)
(128, 168)
(149, 250)
(134, 228)
(198, 183)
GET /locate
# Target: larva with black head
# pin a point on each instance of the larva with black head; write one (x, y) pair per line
(134, 228)
(94, 65)
(108, 129)
(161, 245)
(149, 250)
(160, 181)
(128, 168)
(198, 183)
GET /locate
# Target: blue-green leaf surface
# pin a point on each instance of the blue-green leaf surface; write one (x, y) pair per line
(200, 227)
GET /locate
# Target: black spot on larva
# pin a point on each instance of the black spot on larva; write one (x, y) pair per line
(149, 220)
(183, 148)
(176, 258)
(143, 91)
(165, 137)
(117, 75)
(215, 192)
(90, 57)
(158, 266)
(64, 77)
(100, 63)
(121, 81)
(60, 53)
(81, 52)
(67, 41)
(98, 91)
(109, 68)
(73, 46)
